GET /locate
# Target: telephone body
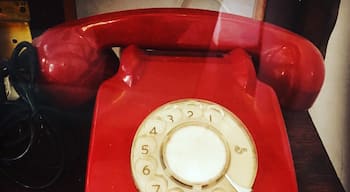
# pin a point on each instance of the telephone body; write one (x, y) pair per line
(188, 72)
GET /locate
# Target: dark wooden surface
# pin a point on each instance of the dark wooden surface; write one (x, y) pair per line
(314, 170)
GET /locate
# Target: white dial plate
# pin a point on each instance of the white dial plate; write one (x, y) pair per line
(193, 145)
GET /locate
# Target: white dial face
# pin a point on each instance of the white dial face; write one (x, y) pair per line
(195, 155)
(193, 145)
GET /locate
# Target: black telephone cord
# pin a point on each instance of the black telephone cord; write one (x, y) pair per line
(25, 113)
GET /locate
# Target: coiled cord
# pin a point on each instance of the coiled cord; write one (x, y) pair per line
(23, 122)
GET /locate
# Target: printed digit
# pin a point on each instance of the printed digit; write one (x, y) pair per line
(153, 131)
(171, 118)
(240, 150)
(146, 170)
(145, 149)
(190, 114)
(156, 187)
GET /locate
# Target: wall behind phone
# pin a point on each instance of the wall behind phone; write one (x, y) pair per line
(93, 7)
(331, 112)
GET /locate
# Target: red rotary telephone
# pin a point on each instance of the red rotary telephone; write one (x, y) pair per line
(186, 110)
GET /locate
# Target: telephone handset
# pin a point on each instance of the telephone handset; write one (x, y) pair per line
(186, 110)
(73, 59)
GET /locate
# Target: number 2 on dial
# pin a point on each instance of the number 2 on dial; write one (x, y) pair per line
(190, 114)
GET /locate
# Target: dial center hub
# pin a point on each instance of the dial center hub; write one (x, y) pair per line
(195, 155)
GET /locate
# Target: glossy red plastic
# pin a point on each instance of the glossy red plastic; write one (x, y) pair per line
(147, 80)
(196, 54)
(73, 65)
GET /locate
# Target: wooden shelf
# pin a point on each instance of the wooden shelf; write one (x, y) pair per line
(313, 168)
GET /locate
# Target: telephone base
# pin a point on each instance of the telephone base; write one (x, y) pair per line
(146, 83)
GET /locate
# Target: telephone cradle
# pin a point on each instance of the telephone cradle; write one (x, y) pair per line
(187, 109)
